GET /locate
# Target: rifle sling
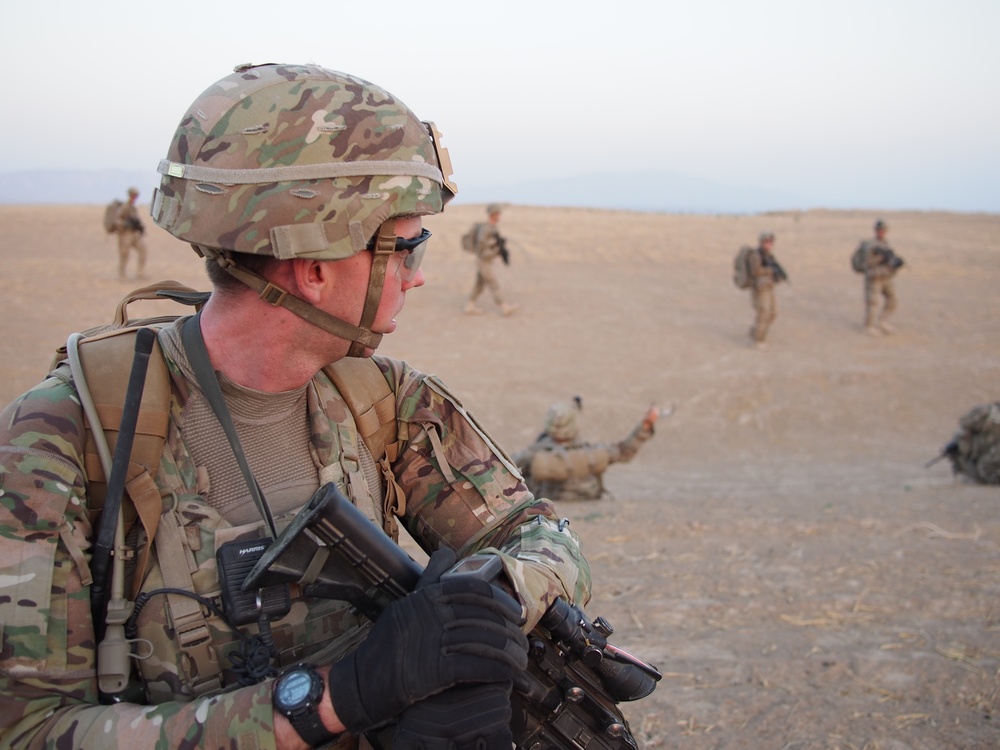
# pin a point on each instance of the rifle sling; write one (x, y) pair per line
(194, 346)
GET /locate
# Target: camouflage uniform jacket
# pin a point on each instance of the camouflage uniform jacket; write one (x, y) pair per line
(574, 470)
(487, 241)
(460, 492)
(877, 254)
(761, 274)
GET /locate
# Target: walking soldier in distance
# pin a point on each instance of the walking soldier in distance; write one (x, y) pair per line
(758, 270)
(130, 231)
(484, 240)
(879, 264)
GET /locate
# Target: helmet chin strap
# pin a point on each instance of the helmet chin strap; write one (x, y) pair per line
(385, 246)
(361, 336)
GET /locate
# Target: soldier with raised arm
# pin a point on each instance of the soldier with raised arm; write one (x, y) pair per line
(561, 465)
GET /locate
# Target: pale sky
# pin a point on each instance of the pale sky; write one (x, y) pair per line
(858, 103)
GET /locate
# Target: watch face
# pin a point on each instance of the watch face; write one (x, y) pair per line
(294, 688)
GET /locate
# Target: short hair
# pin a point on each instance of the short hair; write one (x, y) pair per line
(225, 281)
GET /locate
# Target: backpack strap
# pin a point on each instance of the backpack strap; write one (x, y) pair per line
(373, 405)
(98, 370)
(96, 364)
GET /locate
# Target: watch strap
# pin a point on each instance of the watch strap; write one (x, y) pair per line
(312, 730)
(305, 719)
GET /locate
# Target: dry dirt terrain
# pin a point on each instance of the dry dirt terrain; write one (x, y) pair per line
(779, 550)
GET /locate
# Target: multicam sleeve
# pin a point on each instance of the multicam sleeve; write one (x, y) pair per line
(464, 492)
(48, 685)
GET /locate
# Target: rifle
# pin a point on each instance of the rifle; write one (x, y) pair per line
(949, 451)
(779, 272)
(889, 258)
(504, 253)
(566, 699)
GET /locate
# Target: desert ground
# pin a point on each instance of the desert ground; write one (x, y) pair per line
(779, 549)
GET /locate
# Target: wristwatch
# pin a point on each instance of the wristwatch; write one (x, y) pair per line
(296, 696)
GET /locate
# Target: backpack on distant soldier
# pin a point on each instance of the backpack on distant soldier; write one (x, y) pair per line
(860, 258)
(469, 238)
(111, 216)
(741, 268)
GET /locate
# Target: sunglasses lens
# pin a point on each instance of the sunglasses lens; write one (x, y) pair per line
(410, 263)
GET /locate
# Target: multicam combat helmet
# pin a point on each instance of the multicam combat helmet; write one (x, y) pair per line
(297, 161)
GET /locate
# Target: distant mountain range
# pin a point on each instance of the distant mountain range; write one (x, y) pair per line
(659, 191)
(75, 186)
(637, 191)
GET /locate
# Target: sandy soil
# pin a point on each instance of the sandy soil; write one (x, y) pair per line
(779, 549)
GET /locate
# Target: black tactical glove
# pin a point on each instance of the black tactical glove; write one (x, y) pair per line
(467, 717)
(445, 633)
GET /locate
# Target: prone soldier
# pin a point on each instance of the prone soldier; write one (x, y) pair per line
(974, 451)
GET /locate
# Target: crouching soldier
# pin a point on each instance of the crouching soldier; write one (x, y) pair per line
(559, 465)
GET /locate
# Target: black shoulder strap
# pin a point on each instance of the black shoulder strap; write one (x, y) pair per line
(194, 346)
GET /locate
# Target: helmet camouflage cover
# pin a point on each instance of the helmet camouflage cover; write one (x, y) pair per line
(297, 161)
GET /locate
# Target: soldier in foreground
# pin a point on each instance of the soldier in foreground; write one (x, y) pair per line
(879, 264)
(560, 465)
(130, 231)
(487, 244)
(304, 190)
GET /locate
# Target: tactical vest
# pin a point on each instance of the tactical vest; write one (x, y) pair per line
(183, 649)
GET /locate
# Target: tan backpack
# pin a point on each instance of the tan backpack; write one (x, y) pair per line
(741, 268)
(469, 239)
(111, 216)
(859, 259)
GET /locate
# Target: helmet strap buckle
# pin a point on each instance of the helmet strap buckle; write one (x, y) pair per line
(273, 294)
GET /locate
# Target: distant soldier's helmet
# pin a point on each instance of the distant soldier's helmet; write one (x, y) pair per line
(880, 226)
(133, 191)
(297, 161)
(767, 237)
(493, 208)
(562, 420)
